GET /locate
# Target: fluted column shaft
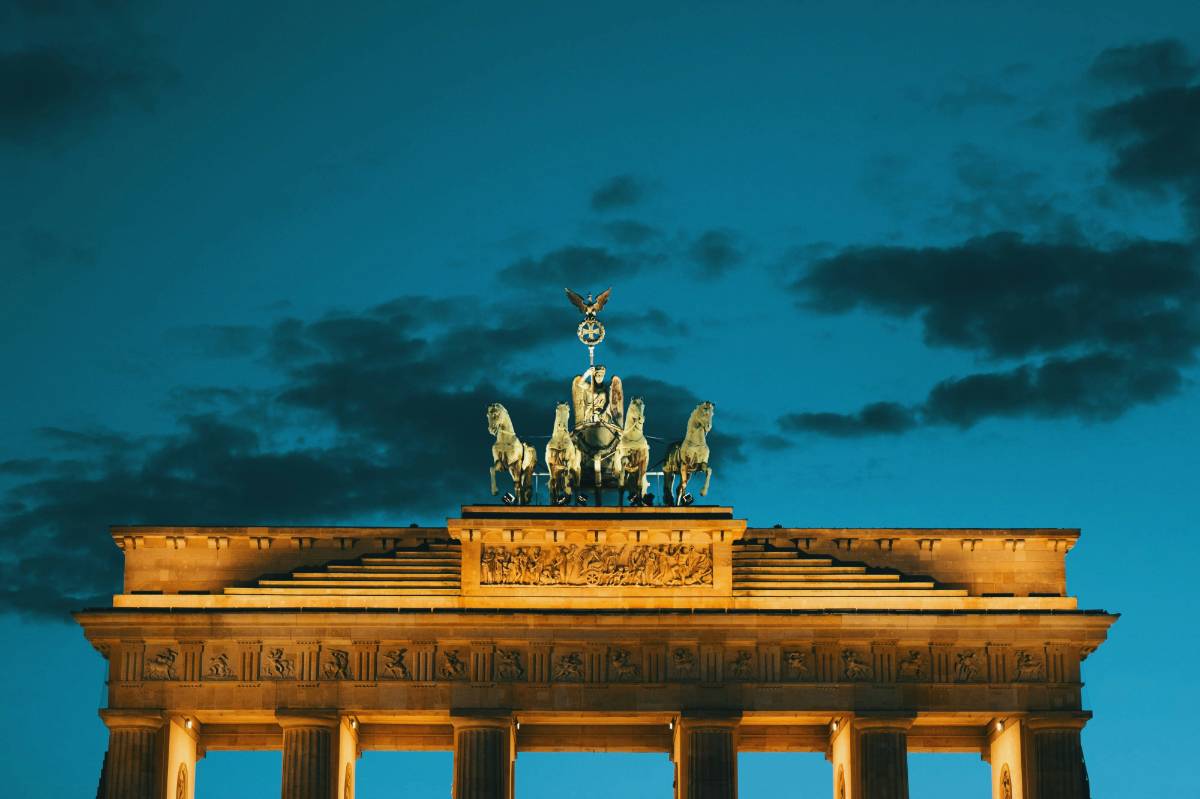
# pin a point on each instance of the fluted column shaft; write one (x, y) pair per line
(310, 764)
(870, 757)
(483, 758)
(706, 757)
(132, 764)
(1058, 771)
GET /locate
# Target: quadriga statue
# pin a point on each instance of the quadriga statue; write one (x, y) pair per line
(510, 454)
(689, 456)
(633, 454)
(563, 458)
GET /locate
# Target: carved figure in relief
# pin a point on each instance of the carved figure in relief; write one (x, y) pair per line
(690, 456)
(911, 665)
(510, 454)
(684, 661)
(569, 667)
(854, 667)
(796, 663)
(1006, 789)
(453, 667)
(181, 782)
(563, 459)
(279, 666)
(395, 667)
(841, 783)
(742, 666)
(623, 667)
(338, 667)
(218, 668)
(651, 565)
(1030, 667)
(633, 454)
(966, 666)
(508, 665)
(162, 666)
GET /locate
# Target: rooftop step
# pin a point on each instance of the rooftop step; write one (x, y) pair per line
(338, 583)
(865, 592)
(894, 587)
(817, 576)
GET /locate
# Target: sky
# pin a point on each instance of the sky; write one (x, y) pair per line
(936, 264)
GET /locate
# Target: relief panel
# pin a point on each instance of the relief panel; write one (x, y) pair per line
(639, 565)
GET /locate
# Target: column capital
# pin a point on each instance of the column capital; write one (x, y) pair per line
(116, 719)
(710, 719)
(474, 719)
(290, 719)
(1065, 720)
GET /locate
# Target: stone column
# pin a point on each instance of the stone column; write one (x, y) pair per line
(133, 765)
(1038, 756)
(705, 755)
(484, 751)
(181, 751)
(870, 757)
(312, 760)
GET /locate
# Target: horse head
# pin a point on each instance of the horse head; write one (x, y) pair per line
(635, 418)
(562, 413)
(497, 417)
(703, 415)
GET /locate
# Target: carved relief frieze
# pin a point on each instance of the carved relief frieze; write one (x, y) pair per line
(508, 665)
(621, 666)
(161, 666)
(855, 667)
(337, 665)
(278, 665)
(220, 667)
(451, 666)
(911, 666)
(644, 565)
(1028, 666)
(683, 663)
(568, 667)
(741, 666)
(395, 665)
(797, 665)
(968, 666)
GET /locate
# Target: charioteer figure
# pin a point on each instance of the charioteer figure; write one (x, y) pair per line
(596, 400)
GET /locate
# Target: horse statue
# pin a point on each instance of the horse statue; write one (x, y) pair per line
(633, 454)
(510, 454)
(562, 458)
(687, 457)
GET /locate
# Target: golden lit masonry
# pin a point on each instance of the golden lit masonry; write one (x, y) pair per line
(521, 628)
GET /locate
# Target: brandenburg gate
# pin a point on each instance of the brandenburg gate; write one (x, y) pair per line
(575, 626)
(540, 628)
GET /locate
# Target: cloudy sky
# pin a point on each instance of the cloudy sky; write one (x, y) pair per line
(935, 265)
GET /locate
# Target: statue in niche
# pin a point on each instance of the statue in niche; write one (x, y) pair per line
(623, 667)
(395, 667)
(1029, 667)
(684, 661)
(218, 668)
(162, 666)
(1006, 789)
(796, 663)
(966, 666)
(339, 666)
(279, 666)
(854, 668)
(569, 667)
(453, 667)
(181, 782)
(911, 665)
(742, 666)
(508, 665)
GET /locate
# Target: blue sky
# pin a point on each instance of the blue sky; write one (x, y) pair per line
(936, 265)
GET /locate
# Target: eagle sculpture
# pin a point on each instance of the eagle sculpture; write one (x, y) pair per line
(589, 307)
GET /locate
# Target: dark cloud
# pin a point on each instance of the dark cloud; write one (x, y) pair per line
(1155, 141)
(79, 61)
(219, 341)
(1102, 330)
(575, 265)
(716, 251)
(875, 419)
(972, 95)
(1150, 65)
(374, 416)
(621, 191)
(631, 233)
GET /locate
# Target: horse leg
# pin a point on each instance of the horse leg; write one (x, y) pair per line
(707, 478)
(683, 481)
(492, 474)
